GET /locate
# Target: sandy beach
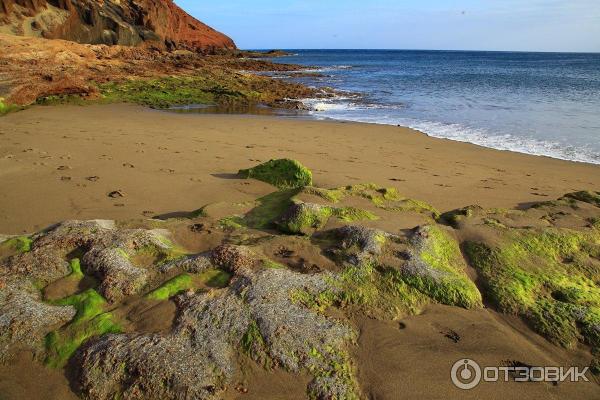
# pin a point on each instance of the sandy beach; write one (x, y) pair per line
(59, 163)
(129, 163)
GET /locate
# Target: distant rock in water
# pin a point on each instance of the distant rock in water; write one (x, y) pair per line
(158, 23)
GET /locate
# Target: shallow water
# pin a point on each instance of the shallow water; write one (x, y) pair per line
(536, 103)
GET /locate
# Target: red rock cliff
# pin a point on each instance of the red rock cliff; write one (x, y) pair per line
(126, 22)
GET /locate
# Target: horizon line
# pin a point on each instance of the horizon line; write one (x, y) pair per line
(416, 49)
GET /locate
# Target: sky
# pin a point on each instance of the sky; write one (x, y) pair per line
(518, 25)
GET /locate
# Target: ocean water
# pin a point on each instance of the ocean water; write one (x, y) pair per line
(538, 103)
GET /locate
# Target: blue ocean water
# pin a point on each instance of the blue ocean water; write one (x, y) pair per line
(537, 103)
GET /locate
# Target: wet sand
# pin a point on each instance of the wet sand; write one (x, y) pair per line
(60, 163)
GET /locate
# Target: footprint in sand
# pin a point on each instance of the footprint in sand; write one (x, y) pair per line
(65, 178)
(128, 165)
(167, 170)
(451, 335)
(115, 194)
(63, 168)
(397, 180)
(93, 178)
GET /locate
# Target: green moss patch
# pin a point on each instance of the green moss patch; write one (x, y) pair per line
(90, 321)
(172, 287)
(268, 209)
(216, 278)
(548, 277)
(439, 270)
(20, 244)
(282, 173)
(385, 198)
(6, 108)
(182, 90)
(374, 290)
(76, 272)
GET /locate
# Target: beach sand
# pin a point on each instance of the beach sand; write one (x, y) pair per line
(59, 163)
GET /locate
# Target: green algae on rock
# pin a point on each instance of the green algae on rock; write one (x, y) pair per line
(20, 244)
(282, 173)
(90, 321)
(586, 197)
(437, 269)
(548, 276)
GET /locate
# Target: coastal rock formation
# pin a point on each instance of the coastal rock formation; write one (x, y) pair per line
(158, 23)
(35, 69)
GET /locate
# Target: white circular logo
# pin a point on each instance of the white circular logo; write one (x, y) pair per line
(466, 374)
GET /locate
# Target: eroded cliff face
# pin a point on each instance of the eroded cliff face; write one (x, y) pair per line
(159, 23)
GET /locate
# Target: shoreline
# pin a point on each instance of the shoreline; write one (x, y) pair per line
(166, 162)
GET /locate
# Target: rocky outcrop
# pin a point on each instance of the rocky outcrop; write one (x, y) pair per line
(158, 23)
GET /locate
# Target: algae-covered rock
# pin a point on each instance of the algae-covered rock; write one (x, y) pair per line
(282, 173)
(454, 217)
(586, 196)
(436, 268)
(255, 314)
(548, 276)
(304, 218)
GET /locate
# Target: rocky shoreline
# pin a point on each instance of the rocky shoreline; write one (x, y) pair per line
(67, 72)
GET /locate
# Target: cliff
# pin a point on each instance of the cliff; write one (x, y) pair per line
(157, 23)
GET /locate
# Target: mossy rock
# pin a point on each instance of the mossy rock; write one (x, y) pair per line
(19, 244)
(585, 196)
(306, 218)
(437, 269)
(282, 173)
(548, 277)
(454, 217)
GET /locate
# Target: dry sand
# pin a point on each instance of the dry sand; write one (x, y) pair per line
(60, 163)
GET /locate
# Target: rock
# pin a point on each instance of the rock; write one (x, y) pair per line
(282, 173)
(106, 251)
(304, 218)
(197, 359)
(158, 23)
(233, 258)
(25, 320)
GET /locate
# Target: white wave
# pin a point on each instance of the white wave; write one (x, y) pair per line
(460, 133)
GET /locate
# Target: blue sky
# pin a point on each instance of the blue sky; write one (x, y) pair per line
(540, 25)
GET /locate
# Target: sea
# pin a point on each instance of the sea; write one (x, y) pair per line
(546, 104)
